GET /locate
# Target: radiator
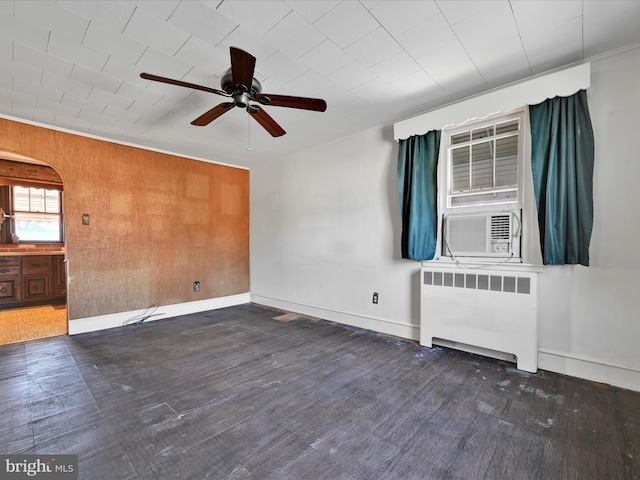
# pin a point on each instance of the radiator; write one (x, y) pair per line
(482, 311)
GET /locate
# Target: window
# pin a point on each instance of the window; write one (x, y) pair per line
(37, 214)
(484, 161)
(482, 198)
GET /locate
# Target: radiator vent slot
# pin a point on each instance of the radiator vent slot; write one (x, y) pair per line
(495, 283)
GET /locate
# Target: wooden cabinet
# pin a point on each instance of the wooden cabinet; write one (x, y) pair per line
(26, 279)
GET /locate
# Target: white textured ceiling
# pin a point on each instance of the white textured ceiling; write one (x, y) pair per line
(75, 64)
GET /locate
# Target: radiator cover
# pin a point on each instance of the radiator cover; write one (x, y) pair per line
(496, 310)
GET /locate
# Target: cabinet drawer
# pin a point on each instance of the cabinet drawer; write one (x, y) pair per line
(9, 270)
(9, 290)
(36, 265)
(7, 261)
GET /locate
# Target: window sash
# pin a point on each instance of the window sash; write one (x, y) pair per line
(38, 227)
(484, 163)
(30, 199)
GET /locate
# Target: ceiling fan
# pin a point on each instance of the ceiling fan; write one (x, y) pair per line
(241, 87)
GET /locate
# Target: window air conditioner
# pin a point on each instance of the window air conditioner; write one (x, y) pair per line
(482, 235)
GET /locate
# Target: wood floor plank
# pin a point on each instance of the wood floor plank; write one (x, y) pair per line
(237, 394)
(311, 465)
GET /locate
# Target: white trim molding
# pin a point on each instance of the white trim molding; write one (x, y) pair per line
(113, 320)
(379, 325)
(589, 368)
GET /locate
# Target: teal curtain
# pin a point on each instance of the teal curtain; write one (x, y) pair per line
(417, 187)
(562, 155)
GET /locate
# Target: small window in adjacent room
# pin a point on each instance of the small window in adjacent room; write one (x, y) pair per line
(37, 214)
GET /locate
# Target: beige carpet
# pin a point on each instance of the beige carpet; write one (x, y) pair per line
(21, 324)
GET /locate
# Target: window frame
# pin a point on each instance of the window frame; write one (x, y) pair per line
(11, 218)
(448, 147)
(7, 226)
(525, 207)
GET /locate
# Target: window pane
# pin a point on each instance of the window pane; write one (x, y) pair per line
(459, 138)
(37, 227)
(36, 196)
(483, 132)
(52, 201)
(21, 199)
(482, 166)
(507, 161)
(507, 127)
(460, 169)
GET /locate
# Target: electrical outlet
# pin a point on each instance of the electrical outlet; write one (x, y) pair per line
(196, 286)
(375, 297)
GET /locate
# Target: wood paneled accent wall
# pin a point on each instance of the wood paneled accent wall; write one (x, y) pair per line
(158, 222)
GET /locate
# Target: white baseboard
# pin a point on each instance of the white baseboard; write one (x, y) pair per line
(112, 320)
(388, 327)
(589, 368)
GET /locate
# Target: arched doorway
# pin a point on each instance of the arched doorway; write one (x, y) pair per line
(32, 250)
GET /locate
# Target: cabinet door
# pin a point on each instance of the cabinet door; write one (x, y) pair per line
(35, 287)
(59, 277)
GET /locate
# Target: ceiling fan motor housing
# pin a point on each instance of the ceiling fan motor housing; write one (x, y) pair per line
(227, 85)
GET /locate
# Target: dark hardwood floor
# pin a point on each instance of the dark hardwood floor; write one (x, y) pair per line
(235, 394)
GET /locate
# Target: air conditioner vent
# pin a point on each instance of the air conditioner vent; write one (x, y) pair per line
(500, 227)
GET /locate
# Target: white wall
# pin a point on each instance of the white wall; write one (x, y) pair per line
(590, 316)
(325, 230)
(324, 235)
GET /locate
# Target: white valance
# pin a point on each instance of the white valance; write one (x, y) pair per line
(529, 92)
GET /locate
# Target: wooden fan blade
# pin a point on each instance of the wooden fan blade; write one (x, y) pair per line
(180, 83)
(303, 103)
(207, 117)
(266, 121)
(243, 65)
